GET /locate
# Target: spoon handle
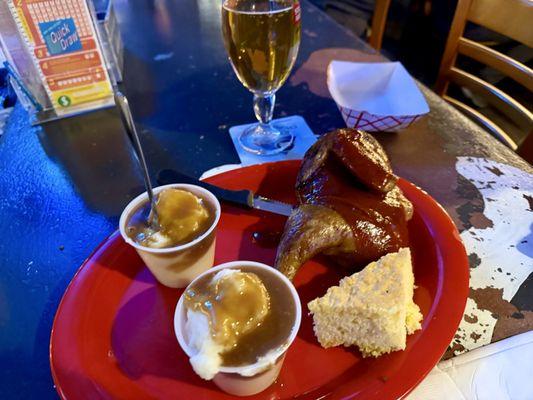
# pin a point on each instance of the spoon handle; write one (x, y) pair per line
(129, 124)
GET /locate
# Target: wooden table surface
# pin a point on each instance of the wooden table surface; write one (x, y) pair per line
(64, 185)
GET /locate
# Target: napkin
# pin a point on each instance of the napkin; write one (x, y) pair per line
(501, 370)
(303, 139)
(375, 96)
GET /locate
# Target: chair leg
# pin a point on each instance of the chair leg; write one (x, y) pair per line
(525, 150)
(378, 23)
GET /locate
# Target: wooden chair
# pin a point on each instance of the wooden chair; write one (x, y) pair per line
(525, 150)
(379, 19)
(511, 18)
(340, 8)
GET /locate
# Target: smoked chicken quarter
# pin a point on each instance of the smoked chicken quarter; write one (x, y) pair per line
(350, 207)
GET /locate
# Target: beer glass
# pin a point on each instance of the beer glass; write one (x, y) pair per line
(262, 39)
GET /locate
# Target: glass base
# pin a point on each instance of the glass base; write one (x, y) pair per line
(265, 140)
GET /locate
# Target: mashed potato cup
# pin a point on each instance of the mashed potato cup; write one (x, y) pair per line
(249, 379)
(176, 266)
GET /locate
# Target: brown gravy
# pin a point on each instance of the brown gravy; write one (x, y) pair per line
(378, 224)
(273, 331)
(138, 229)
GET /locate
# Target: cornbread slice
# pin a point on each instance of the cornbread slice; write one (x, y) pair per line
(372, 309)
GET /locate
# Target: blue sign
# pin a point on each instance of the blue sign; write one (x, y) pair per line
(60, 36)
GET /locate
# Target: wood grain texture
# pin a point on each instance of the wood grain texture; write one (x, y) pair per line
(379, 20)
(494, 96)
(508, 66)
(486, 123)
(525, 150)
(450, 51)
(512, 18)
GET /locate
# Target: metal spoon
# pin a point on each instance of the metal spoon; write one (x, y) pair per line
(133, 135)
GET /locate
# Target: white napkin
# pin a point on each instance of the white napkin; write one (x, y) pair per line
(501, 370)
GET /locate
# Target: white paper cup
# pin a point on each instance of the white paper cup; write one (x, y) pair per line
(176, 266)
(249, 379)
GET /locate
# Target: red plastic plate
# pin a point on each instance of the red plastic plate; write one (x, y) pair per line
(113, 332)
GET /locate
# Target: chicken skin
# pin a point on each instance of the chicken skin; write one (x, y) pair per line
(350, 207)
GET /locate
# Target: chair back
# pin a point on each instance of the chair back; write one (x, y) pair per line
(511, 18)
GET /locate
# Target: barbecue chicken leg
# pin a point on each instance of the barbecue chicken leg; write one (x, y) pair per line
(349, 205)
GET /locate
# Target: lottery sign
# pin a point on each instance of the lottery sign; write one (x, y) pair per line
(61, 37)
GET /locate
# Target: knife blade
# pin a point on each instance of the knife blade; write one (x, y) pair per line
(244, 198)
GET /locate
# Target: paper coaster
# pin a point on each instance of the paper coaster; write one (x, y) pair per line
(303, 139)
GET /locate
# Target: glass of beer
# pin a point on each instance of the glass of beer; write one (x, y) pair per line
(262, 39)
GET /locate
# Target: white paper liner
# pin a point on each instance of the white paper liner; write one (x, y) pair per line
(375, 96)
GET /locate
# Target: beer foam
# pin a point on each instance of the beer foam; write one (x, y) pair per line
(232, 10)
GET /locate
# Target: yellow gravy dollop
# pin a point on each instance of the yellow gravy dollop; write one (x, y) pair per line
(182, 215)
(235, 304)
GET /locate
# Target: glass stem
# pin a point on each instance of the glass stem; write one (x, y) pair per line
(264, 107)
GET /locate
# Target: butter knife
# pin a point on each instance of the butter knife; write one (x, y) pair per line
(243, 198)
